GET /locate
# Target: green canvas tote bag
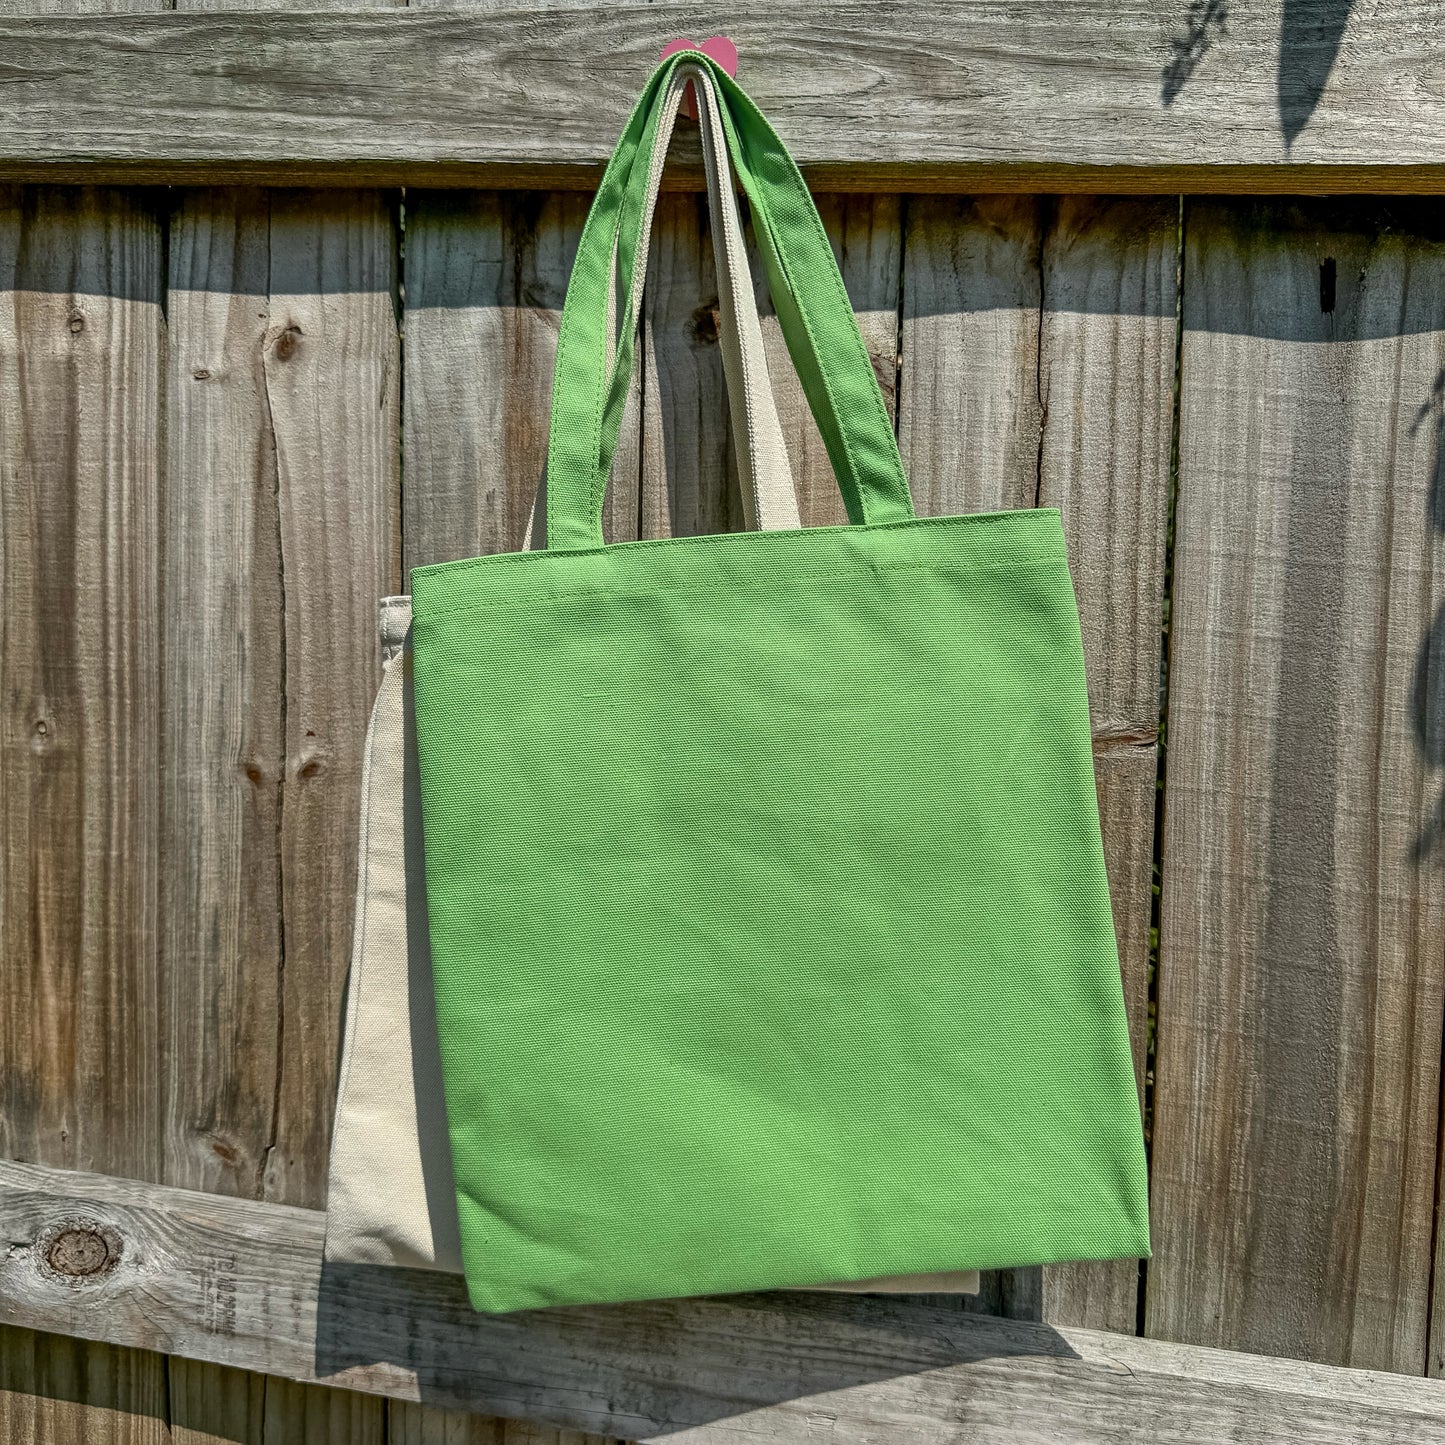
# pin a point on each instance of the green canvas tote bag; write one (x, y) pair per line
(770, 928)
(391, 1196)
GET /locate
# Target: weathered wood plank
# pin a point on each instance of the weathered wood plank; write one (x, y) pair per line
(1037, 369)
(218, 1403)
(411, 1424)
(300, 1414)
(81, 345)
(486, 276)
(59, 1391)
(332, 369)
(240, 1282)
(71, 1390)
(1106, 386)
(222, 904)
(1303, 927)
(969, 413)
(689, 472)
(1026, 95)
(221, 1405)
(215, 1404)
(223, 717)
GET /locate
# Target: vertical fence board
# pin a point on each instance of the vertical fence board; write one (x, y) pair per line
(867, 239)
(1037, 368)
(56, 1390)
(221, 800)
(53, 1109)
(217, 1405)
(969, 414)
(1106, 383)
(486, 276)
(297, 1414)
(81, 344)
(241, 767)
(214, 1404)
(689, 472)
(230, 806)
(1303, 926)
(411, 1424)
(332, 372)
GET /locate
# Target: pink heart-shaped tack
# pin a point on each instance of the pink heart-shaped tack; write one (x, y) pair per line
(715, 47)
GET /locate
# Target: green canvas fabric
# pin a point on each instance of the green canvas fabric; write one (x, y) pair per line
(770, 927)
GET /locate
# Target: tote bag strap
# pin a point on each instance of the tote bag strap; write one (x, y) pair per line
(769, 498)
(812, 305)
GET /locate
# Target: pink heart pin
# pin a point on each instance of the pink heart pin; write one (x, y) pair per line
(715, 47)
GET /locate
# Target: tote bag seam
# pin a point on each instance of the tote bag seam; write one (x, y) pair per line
(970, 519)
(1028, 563)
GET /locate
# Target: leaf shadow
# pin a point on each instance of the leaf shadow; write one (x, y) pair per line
(1311, 32)
(1205, 22)
(1427, 684)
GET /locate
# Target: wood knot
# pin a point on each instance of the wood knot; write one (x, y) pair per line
(75, 319)
(80, 1249)
(311, 759)
(287, 343)
(42, 733)
(705, 324)
(201, 373)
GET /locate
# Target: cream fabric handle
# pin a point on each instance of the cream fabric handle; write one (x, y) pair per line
(768, 478)
(769, 499)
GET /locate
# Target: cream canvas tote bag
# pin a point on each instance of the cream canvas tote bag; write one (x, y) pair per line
(391, 1195)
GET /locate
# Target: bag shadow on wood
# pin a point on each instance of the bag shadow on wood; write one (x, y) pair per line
(652, 1368)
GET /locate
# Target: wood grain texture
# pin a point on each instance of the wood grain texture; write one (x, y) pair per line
(1029, 95)
(59, 1391)
(81, 347)
(215, 1404)
(240, 1282)
(1106, 383)
(969, 412)
(240, 573)
(220, 1405)
(332, 370)
(486, 276)
(867, 239)
(412, 1424)
(226, 786)
(1037, 369)
(64, 1390)
(689, 471)
(1303, 927)
(224, 714)
(299, 1414)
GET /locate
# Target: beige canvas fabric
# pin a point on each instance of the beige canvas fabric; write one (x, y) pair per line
(390, 1198)
(391, 1195)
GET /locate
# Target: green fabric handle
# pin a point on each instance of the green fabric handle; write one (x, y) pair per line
(812, 305)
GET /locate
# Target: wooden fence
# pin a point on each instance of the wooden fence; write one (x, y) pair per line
(278, 300)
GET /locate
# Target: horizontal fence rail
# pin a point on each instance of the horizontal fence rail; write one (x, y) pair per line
(240, 1282)
(1146, 95)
